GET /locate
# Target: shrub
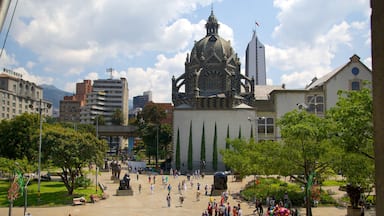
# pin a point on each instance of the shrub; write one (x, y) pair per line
(82, 181)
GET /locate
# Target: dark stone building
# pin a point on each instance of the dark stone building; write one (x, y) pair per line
(212, 78)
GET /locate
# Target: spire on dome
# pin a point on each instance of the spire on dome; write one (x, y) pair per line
(212, 25)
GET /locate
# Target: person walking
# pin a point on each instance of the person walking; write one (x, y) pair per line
(168, 200)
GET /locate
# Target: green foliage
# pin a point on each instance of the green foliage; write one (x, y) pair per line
(214, 152)
(117, 117)
(82, 181)
(190, 148)
(353, 117)
(99, 120)
(153, 113)
(19, 137)
(71, 151)
(54, 194)
(274, 187)
(202, 148)
(250, 158)
(178, 163)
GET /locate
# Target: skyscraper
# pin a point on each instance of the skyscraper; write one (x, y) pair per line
(255, 61)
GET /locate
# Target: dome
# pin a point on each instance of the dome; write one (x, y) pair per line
(212, 45)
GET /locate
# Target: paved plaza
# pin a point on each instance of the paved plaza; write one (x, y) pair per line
(147, 203)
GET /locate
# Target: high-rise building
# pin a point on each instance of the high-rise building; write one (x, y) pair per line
(107, 96)
(18, 96)
(71, 105)
(255, 61)
(140, 101)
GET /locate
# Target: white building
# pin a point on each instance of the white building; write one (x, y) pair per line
(255, 61)
(18, 96)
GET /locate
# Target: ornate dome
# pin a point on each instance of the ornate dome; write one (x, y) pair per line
(212, 45)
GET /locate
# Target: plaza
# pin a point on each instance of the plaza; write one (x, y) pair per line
(147, 203)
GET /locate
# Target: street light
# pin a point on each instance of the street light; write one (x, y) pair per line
(26, 193)
(157, 145)
(40, 140)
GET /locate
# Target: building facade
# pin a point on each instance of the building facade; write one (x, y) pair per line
(107, 96)
(212, 95)
(255, 61)
(220, 103)
(18, 96)
(70, 106)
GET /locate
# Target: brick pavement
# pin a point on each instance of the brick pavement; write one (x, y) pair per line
(145, 203)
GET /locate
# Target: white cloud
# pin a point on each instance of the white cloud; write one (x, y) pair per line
(310, 35)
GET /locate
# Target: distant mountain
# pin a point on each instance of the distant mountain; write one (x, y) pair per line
(54, 95)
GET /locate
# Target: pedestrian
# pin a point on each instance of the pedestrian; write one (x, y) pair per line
(169, 200)
(169, 188)
(137, 176)
(239, 210)
(198, 195)
(206, 190)
(152, 188)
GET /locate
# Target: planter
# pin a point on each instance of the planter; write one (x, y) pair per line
(353, 211)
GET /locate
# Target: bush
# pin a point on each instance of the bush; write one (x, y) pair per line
(82, 181)
(274, 187)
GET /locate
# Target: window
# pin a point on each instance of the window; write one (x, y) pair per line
(265, 125)
(315, 104)
(355, 85)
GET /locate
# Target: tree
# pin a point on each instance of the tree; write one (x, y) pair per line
(149, 120)
(306, 148)
(71, 151)
(214, 152)
(117, 117)
(202, 147)
(190, 148)
(353, 117)
(153, 113)
(177, 160)
(250, 158)
(19, 137)
(99, 120)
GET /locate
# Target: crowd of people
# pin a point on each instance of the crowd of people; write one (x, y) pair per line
(221, 207)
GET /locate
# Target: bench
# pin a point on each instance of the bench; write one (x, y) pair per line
(102, 187)
(78, 201)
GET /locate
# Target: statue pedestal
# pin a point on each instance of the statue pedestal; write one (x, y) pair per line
(217, 192)
(128, 192)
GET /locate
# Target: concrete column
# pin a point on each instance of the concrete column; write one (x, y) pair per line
(377, 38)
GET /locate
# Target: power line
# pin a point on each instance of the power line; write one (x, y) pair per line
(8, 29)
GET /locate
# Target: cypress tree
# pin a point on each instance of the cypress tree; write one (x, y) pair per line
(227, 140)
(227, 145)
(214, 156)
(202, 149)
(251, 137)
(178, 150)
(239, 132)
(190, 149)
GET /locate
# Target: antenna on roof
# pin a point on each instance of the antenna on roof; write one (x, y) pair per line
(110, 70)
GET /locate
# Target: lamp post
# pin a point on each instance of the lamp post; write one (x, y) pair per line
(157, 145)
(26, 194)
(39, 163)
(97, 137)
(40, 109)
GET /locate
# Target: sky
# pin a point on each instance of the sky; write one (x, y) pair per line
(61, 43)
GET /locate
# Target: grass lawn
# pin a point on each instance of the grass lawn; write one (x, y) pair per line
(52, 193)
